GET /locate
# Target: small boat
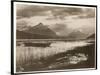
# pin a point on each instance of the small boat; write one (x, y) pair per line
(37, 44)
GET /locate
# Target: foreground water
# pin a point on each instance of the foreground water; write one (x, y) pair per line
(37, 58)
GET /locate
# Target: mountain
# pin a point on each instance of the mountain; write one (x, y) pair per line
(23, 35)
(21, 27)
(39, 31)
(92, 36)
(76, 34)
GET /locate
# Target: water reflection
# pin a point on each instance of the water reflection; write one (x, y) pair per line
(30, 54)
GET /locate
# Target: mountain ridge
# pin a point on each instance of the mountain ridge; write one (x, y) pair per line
(92, 36)
(41, 31)
(37, 32)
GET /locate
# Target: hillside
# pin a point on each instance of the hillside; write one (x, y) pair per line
(41, 29)
(37, 32)
(76, 35)
(92, 36)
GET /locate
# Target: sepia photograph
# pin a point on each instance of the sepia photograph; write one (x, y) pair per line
(53, 37)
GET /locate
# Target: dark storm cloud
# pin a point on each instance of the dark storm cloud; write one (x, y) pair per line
(30, 10)
(61, 13)
(56, 12)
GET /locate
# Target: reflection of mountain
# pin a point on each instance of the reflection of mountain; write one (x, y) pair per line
(77, 35)
(91, 36)
(37, 32)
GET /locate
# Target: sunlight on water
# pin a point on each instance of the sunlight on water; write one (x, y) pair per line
(25, 54)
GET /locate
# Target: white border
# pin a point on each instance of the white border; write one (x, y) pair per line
(15, 3)
(65, 70)
(14, 26)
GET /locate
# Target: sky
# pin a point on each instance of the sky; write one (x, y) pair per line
(61, 19)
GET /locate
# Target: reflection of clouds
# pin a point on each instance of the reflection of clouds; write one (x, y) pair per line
(29, 54)
(55, 48)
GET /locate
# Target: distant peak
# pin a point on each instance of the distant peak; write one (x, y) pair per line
(40, 23)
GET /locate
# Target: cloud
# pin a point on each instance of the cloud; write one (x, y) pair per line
(30, 11)
(56, 12)
(88, 13)
(61, 29)
(62, 20)
(21, 23)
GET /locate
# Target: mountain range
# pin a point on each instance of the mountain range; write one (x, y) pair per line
(76, 34)
(92, 36)
(41, 31)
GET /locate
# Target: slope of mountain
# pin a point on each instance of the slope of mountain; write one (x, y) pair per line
(23, 35)
(77, 35)
(21, 27)
(91, 36)
(42, 30)
(37, 32)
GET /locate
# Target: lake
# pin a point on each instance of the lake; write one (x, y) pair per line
(53, 54)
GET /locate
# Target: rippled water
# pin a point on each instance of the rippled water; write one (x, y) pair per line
(25, 54)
